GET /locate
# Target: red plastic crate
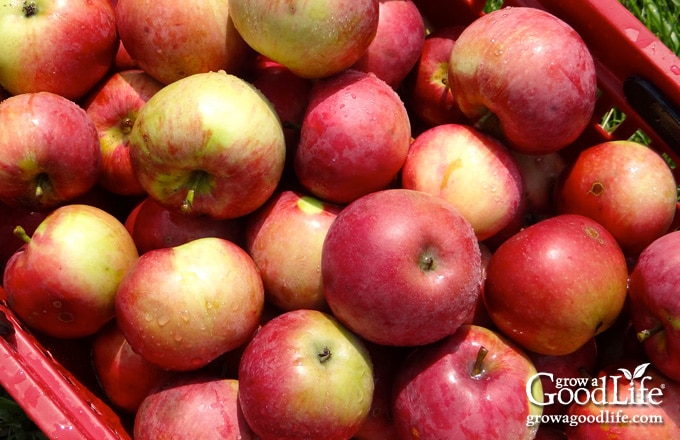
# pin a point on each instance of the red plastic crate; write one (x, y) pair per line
(636, 72)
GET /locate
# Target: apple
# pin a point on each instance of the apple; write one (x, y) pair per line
(654, 308)
(479, 315)
(187, 157)
(182, 307)
(556, 284)
(113, 107)
(540, 173)
(194, 406)
(469, 385)
(528, 71)
(285, 238)
(153, 226)
(428, 96)
(49, 151)
(623, 185)
(63, 282)
(305, 376)
(313, 39)
(397, 44)
(10, 217)
(64, 47)
(401, 267)
(125, 377)
(354, 138)
(170, 40)
(469, 169)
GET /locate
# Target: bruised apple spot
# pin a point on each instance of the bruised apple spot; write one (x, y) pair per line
(594, 234)
(596, 189)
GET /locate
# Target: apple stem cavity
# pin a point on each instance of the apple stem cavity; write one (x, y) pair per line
(42, 180)
(478, 367)
(648, 333)
(198, 179)
(126, 125)
(324, 355)
(426, 263)
(21, 233)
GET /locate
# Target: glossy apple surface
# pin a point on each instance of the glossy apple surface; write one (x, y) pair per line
(401, 267)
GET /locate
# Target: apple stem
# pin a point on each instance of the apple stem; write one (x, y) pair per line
(41, 181)
(21, 233)
(324, 355)
(478, 367)
(198, 178)
(647, 333)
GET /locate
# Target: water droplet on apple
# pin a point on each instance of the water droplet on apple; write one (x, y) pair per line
(235, 307)
(57, 304)
(177, 337)
(65, 317)
(208, 305)
(675, 69)
(148, 317)
(163, 320)
(184, 315)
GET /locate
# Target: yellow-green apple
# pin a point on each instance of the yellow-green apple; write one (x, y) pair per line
(284, 238)
(49, 151)
(530, 72)
(170, 40)
(153, 226)
(63, 282)
(209, 143)
(623, 185)
(64, 47)
(305, 376)
(469, 169)
(312, 39)
(192, 406)
(125, 376)
(113, 106)
(401, 267)
(628, 401)
(556, 284)
(540, 173)
(428, 96)
(182, 307)
(470, 385)
(397, 44)
(354, 138)
(654, 308)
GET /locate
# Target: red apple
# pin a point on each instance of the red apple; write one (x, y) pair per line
(305, 376)
(623, 185)
(64, 281)
(10, 218)
(285, 238)
(556, 284)
(397, 44)
(540, 173)
(529, 70)
(469, 169)
(312, 39)
(187, 158)
(355, 137)
(64, 47)
(654, 307)
(171, 40)
(401, 267)
(113, 107)
(49, 151)
(192, 406)
(182, 307)
(154, 226)
(125, 376)
(470, 385)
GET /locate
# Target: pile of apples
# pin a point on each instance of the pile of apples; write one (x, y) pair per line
(330, 220)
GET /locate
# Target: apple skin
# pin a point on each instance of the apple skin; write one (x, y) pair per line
(319, 39)
(63, 282)
(63, 47)
(401, 267)
(153, 226)
(125, 376)
(623, 185)
(653, 302)
(49, 151)
(180, 145)
(285, 238)
(437, 394)
(397, 44)
(180, 308)
(113, 107)
(11, 217)
(540, 173)
(192, 406)
(469, 169)
(343, 152)
(328, 386)
(529, 69)
(556, 284)
(195, 37)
